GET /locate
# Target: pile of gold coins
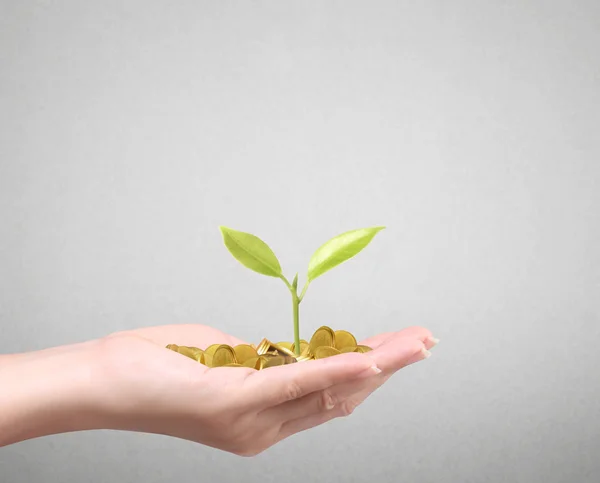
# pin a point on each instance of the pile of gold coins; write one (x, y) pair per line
(324, 343)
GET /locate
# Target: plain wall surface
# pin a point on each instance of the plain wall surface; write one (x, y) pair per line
(130, 130)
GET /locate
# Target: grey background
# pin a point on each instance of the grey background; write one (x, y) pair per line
(130, 130)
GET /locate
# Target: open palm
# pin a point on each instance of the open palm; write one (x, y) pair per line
(239, 410)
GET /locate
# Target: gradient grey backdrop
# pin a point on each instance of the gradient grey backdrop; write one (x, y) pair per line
(130, 130)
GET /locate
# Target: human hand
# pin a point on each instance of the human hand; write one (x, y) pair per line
(240, 410)
(129, 381)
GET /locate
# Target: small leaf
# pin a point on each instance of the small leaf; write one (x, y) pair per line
(251, 252)
(295, 283)
(339, 249)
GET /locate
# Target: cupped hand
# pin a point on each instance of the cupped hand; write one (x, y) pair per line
(151, 389)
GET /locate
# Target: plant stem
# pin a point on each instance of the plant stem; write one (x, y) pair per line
(296, 308)
(296, 311)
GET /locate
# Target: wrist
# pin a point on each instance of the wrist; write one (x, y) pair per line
(48, 392)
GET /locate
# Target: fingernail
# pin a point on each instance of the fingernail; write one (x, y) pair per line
(371, 371)
(433, 341)
(426, 354)
(330, 404)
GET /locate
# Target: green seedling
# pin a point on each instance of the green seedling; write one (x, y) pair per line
(256, 255)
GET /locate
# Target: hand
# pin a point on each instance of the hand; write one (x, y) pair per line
(240, 410)
(129, 381)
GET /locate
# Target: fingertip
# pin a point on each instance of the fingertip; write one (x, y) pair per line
(431, 342)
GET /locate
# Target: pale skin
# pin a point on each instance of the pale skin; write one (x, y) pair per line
(128, 381)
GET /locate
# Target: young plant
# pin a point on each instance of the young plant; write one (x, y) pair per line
(256, 255)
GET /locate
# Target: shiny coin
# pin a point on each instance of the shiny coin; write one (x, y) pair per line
(263, 360)
(348, 349)
(325, 351)
(272, 361)
(263, 347)
(190, 352)
(173, 347)
(223, 355)
(233, 364)
(286, 345)
(304, 357)
(211, 349)
(244, 352)
(198, 354)
(281, 350)
(323, 336)
(343, 339)
(362, 349)
(207, 360)
(253, 363)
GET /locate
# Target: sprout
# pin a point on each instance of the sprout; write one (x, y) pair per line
(256, 255)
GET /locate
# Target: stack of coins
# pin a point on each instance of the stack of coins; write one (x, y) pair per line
(324, 343)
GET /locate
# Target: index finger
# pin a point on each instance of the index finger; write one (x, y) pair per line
(280, 384)
(420, 333)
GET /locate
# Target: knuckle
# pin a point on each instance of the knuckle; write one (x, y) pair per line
(326, 400)
(292, 391)
(349, 406)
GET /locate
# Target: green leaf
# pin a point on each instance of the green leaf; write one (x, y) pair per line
(295, 283)
(251, 252)
(339, 249)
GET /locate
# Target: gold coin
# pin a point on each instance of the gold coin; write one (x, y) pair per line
(198, 353)
(263, 347)
(223, 355)
(211, 349)
(272, 361)
(281, 350)
(348, 349)
(233, 364)
(325, 351)
(343, 339)
(244, 352)
(262, 360)
(286, 345)
(190, 352)
(207, 360)
(253, 363)
(323, 336)
(362, 349)
(304, 357)
(173, 347)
